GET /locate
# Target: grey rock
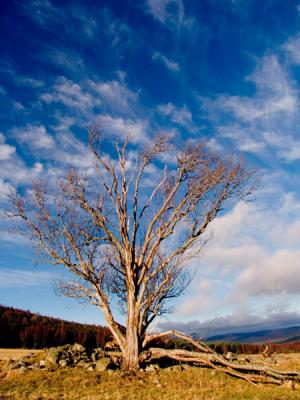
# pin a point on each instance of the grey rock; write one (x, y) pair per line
(52, 355)
(152, 368)
(77, 348)
(62, 363)
(97, 354)
(116, 360)
(103, 365)
(80, 363)
(18, 365)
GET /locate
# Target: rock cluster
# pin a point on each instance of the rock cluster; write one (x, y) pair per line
(67, 356)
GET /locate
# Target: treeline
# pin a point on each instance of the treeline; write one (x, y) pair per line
(19, 328)
(234, 347)
(249, 348)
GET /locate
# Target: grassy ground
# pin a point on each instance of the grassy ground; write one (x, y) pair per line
(193, 383)
(6, 354)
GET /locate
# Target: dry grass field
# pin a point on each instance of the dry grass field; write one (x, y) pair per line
(170, 383)
(6, 354)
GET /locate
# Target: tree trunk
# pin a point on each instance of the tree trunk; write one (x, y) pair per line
(133, 343)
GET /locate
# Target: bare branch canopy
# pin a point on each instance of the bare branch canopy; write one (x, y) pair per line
(128, 231)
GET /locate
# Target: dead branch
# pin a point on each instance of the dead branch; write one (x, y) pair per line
(250, 372)
(199, 345)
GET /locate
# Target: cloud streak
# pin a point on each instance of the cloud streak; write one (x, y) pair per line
(169, 64)
(18, 278)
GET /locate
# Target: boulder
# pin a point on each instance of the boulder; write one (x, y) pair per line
(111, 345)
(68, 356)
(152, 368)
(52, 355)
(77, 348)
(97, 354)
(20, 364)
(103, 365)
(116, 360)
(62, 363)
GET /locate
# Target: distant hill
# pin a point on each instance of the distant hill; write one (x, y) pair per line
(19, 328)
(281, 335)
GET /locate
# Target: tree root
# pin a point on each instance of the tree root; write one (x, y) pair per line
(206, 357)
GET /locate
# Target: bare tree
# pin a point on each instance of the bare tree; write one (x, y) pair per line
(127, 235)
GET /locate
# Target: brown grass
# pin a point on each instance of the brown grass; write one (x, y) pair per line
(6, 354)
(193, 383)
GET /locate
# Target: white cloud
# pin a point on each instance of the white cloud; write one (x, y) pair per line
(242, 138)
(137, 130)
(203, 291)
(292, 48)
(115, 95)
(4, 189)
(170, 64)
(16, 171)
(288, 147)
(6, 150)
(274, 93)
(252, 261)
(181, 116)
(72, 95)
(18, 278)
(69, 60)
(89, 97)
(263, 122)
(63, 148)
(272, 275)
(237, 322)
(10, 70)
(34, 136)
(78, 22)
(167, 11)
(72, 152)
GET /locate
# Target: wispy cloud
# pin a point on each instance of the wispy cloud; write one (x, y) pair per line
(6, 150)
(135, 129)
(249, 261)
(69, 60)
(5, 188)
(167, 11)
(72, 95)
(17, 172)
(292, 48)
(179, 116)
(243, 322)
(89, 96)
(18, 278)
(36, 136)
(76, 21)
(274, 93)
(170, 64)
(10, 70)
(273, 274)
(263, 121)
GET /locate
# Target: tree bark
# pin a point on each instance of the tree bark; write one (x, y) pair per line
(132, 351)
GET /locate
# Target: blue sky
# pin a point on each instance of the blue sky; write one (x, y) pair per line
(224, 70)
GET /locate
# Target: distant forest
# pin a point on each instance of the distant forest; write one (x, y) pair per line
(20, 328)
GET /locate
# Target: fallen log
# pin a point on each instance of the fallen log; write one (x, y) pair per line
(206, 357)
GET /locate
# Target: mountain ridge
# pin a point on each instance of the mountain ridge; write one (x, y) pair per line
(279, 335)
